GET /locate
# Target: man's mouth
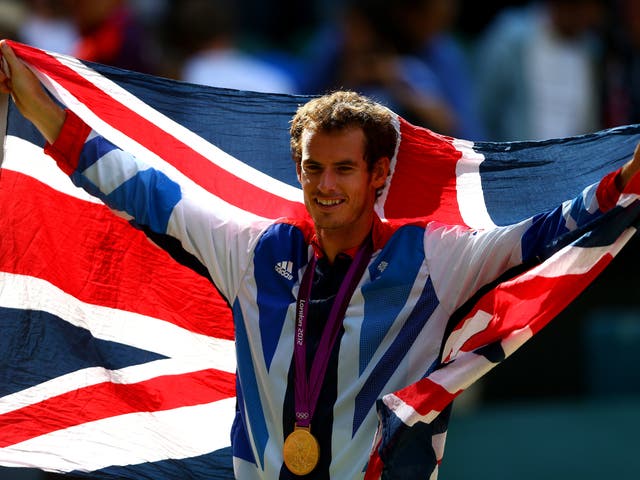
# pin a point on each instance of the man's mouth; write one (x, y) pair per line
(325, 202)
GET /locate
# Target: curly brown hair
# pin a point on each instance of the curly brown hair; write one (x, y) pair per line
(346, 109)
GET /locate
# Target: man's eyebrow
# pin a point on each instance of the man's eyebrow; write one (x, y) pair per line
(339, 163)
(309, 161)
(346, 161)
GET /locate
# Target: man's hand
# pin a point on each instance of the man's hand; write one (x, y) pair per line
(33, 102)
(630, 169)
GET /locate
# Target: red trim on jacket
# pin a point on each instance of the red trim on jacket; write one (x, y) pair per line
(68, 146)
(608, 192)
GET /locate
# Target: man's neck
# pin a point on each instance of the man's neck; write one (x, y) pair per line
(334, 243)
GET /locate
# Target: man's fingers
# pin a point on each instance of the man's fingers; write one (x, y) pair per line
(5, 68)
(9, 59)
(10, 62)
(5, 81)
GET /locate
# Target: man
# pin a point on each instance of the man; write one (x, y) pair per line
(333, 309)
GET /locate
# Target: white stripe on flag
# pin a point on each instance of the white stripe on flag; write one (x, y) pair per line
(29, 159)
(469, 187)
(186, 136)
(572, 260)
(88, 377)
(129, 439)
(462, 372)
(476, 323)
(140, 331)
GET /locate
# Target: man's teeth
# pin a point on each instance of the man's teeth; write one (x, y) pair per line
(328, 203)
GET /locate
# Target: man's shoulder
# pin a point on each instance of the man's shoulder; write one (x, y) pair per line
(292, 227)
(385, 229)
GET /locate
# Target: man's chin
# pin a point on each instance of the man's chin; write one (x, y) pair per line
(327, 226)
(323, 223)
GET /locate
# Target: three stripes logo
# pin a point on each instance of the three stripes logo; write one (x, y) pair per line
(285, 268)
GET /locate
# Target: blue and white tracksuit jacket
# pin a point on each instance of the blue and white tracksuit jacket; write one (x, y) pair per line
(419, 274)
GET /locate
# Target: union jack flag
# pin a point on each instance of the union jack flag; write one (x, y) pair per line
(117, 356)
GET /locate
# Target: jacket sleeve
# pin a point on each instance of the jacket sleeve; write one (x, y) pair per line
(219, 235)
(462, 260)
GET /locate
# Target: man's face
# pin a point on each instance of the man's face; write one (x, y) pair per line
(339, 190)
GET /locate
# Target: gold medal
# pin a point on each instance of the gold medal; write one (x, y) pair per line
(301, 451)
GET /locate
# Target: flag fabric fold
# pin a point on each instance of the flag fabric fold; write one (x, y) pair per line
(117, 356)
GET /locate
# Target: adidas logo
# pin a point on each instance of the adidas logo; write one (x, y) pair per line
(285, 268)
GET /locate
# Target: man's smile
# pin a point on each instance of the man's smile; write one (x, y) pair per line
(329, 202)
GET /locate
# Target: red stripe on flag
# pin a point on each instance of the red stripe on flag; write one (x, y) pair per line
(107, 400)
(216, 180)
(98, 258)
(532, 301)
(424, 180)
(426, 396)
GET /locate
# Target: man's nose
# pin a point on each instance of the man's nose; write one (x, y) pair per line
(327, 180)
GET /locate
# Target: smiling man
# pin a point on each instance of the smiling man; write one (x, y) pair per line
(340, 167)
(333, 311)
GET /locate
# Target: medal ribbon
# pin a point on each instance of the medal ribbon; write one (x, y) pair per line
(307, 388)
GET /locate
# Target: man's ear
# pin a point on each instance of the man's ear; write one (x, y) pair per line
(380, 172)
(299, 172)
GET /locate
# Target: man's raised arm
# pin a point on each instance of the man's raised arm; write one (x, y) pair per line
(29, 96)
